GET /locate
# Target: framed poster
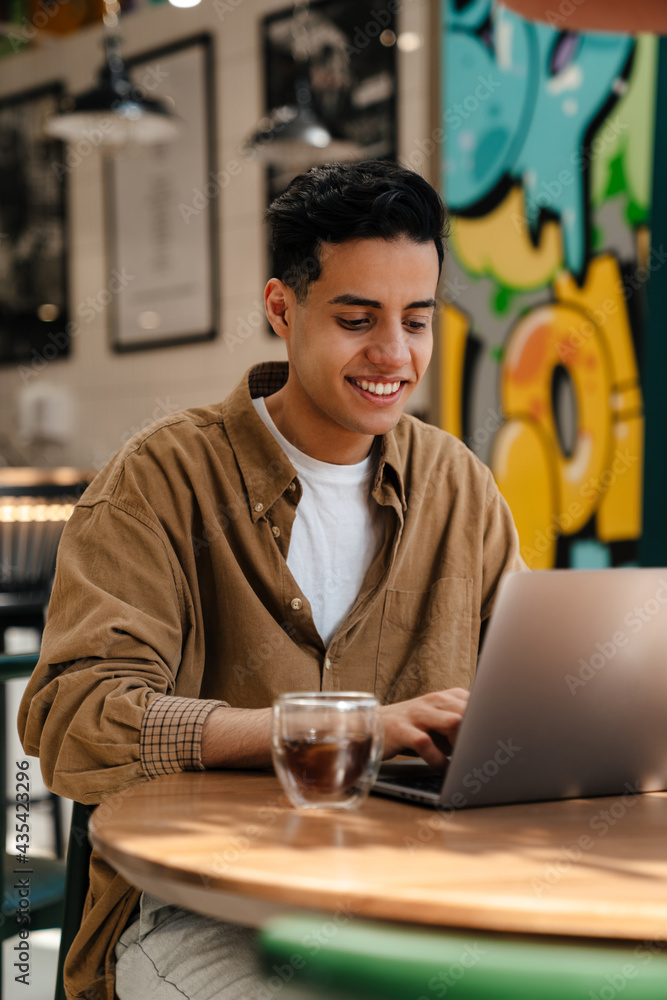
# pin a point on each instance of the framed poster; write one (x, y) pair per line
(346, 53)
(347, 63)
(162, 204)
(33, 231)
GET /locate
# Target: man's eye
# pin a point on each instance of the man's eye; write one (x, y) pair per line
(352, 324)
(416, 324)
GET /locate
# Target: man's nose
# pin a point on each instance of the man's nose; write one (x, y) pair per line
(388, 347)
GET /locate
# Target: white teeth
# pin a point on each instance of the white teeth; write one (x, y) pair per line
(379, 388)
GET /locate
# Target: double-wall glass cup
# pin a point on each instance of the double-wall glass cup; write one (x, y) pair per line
(327, 747)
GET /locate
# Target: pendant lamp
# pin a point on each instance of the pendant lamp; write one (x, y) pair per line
(114, 113)
(294, 136)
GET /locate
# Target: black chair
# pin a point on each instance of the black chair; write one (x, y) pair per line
(76, 886)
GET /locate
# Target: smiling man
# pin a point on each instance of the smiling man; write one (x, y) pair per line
(304, 534)
(358, 345)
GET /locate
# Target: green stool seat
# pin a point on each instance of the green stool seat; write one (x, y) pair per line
(370, 961)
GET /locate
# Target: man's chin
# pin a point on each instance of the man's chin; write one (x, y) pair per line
(381, 425)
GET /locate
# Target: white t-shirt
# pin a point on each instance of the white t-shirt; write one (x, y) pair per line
(337, 530)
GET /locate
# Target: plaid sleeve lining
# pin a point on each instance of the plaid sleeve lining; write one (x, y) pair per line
(170, 738)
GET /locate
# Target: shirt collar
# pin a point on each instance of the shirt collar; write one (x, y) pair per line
(392, 482)
(266, 469)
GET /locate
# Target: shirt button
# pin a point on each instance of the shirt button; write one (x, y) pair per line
(275, 530)
(259, 507)
(291, 487)
(327, 663)
(296, 603)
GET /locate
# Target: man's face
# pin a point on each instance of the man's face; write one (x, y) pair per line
(358, 346)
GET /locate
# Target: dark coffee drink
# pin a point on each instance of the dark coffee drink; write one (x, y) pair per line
(327, 764)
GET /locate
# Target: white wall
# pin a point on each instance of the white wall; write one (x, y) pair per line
(115, 394)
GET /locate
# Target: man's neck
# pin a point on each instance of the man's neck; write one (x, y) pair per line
(314, 436)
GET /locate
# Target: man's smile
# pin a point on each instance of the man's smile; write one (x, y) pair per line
(377, 390)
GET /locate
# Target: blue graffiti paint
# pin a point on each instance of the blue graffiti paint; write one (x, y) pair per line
(519, 99)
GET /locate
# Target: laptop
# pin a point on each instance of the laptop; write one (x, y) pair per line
(569, 699)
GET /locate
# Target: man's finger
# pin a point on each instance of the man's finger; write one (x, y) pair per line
(434, 756)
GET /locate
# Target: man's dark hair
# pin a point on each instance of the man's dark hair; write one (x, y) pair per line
(336, 202)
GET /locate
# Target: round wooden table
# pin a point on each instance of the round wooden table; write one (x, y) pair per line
(227, 844)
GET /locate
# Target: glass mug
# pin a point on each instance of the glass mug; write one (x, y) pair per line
(327, 747)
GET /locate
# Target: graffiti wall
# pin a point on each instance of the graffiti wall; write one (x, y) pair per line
(547, 151)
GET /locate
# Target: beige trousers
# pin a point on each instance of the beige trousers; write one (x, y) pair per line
(171, 954)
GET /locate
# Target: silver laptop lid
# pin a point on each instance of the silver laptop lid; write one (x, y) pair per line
(570, 695)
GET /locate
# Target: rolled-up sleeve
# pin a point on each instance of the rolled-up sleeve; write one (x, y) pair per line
(171, 732)
(118, 618)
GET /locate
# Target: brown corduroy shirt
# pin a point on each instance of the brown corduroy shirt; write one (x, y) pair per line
(172, 594)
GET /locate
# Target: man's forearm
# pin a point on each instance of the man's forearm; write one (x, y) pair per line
(241, 737)
(237, 737)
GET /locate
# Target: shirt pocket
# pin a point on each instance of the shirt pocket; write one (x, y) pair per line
(425, 640)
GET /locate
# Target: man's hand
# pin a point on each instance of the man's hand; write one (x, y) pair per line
(241, 737)
(424, 724)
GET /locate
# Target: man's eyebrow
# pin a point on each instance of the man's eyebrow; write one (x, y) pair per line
(348, 299)
(423, 304)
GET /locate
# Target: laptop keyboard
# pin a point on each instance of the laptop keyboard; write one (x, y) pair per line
(418, 778)
(429, 782)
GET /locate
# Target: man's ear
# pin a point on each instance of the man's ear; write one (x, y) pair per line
(279, 302)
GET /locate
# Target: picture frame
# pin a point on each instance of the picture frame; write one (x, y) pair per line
(350, 72)
(34, 236)
(161, 211)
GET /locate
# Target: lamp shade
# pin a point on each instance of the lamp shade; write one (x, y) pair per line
(114, 113)
(293, 136)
